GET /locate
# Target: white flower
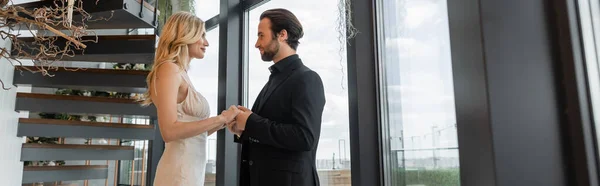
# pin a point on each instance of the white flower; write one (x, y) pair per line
(125, 66)
(103, 141)
(100, 119)
(139, 67)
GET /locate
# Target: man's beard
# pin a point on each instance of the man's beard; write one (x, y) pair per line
(270, 51)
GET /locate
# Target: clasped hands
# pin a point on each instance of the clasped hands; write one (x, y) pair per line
(235, 118)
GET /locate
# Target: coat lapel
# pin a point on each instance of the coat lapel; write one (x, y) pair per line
(259, 99)
(276, 83)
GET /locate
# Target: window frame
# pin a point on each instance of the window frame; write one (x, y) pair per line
(473, 111)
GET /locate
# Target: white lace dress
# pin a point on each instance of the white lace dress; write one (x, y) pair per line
(183, 162)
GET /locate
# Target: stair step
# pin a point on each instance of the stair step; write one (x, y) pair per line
(33, 174)
(111, 14)
(128, 81)
(117, 48)
(35, 102)
(83, 129)
(49, 184)
(35, 152)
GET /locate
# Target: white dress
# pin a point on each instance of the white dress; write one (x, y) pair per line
(183, 162)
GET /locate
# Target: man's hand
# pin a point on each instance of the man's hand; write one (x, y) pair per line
(231, 126)
(229, 115)
(243, 108)
(241, 118)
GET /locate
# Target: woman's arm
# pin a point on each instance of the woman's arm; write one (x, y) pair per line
(213, 130)
(167, 83)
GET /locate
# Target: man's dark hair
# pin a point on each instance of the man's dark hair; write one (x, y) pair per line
(282, 19)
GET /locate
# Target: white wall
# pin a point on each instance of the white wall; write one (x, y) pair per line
(11, 168)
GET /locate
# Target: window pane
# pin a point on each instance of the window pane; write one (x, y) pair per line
(204, 75)
(590, 20)
(421, 146)
(322, 50)
(206, 9)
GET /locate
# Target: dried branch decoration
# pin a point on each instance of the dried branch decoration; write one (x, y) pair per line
(47, 24)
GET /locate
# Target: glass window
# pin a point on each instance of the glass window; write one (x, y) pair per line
(204, 75)
(420, 146)
(323, 49)
(206, 9)
(589, 14)
(130, 172)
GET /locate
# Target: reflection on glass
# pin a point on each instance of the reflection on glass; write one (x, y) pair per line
(418, 98)
(204, 74)
(324, 51)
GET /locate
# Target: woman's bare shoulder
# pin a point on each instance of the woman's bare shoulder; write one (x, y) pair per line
(168, 69)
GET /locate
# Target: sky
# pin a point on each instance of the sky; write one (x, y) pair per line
(418, 74)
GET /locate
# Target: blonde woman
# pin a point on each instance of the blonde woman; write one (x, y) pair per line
(183, 113)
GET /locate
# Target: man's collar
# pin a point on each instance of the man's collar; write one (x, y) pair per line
(284, 63)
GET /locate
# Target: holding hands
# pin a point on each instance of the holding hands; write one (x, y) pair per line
(229, 115)
(238, 125)
(235, 118)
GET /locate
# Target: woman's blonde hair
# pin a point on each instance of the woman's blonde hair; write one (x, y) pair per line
(179, 31)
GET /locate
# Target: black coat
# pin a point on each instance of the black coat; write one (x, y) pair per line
(280, 140)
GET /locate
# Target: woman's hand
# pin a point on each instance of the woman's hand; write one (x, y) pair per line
(229, 115)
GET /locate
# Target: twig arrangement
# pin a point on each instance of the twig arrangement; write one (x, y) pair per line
(55, 32)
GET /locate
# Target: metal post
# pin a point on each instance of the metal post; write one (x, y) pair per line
(365, 133)
(231, 41)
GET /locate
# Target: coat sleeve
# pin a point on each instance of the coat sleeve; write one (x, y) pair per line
(303, 130)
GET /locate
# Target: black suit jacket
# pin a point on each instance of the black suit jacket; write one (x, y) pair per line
(281, 135)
